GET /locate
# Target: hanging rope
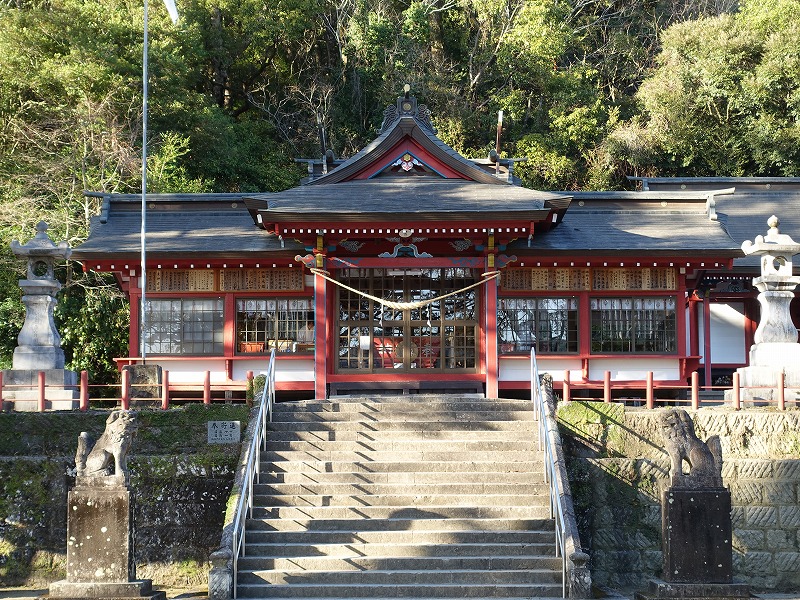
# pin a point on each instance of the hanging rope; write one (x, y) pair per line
(405, 305)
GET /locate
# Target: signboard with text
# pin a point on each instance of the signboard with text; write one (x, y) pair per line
(224, 432)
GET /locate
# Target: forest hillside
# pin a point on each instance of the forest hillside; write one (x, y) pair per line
(592, 91)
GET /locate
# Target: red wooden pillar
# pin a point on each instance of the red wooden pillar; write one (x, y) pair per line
(125, 390)
(207, 388)
(607, 386)
(133, 336)
(492, 366)
(84, 391)
(42, 402)
(229, 331)
(707, 339)
(694, 327)
(322, 341)
(164, 389)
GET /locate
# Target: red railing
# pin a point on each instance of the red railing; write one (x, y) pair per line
(692, 392)
(207, 392)
(169, 391)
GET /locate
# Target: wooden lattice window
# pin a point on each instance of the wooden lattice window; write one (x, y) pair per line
(549, 324)
(184, 326)
(634, 325)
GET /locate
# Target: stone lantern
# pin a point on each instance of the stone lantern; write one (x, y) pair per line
(776, 348)
(39, 344)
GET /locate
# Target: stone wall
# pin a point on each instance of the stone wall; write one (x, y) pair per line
(181, 487)
(618, 467)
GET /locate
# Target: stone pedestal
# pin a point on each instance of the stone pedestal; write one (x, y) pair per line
(145, 381)
(22, 387)
(697, 535)
(697, 544)
(100, 544)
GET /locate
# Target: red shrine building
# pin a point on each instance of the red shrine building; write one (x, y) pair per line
(410, 267)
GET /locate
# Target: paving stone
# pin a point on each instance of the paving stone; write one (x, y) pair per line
(787, 561)
(782, 492)
(780, 539)
(745, 540)
(789, 516)
(738, 516)
(761, 516)
(746, 493)
(753, 469)
(759, 562)
(787, 469)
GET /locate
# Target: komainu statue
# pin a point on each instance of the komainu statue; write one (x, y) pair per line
(108, 456)
(682, 444)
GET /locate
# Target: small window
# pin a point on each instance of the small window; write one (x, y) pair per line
(634, 325)
(286, 324)
(548, 324)
(184, 326)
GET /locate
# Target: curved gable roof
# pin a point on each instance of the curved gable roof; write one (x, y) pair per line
(407, 126)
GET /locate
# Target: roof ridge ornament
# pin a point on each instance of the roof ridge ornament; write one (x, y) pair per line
(406, 106)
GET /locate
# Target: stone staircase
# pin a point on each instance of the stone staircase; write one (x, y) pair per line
(387, 497)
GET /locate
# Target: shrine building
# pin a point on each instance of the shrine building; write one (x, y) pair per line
(410, 267)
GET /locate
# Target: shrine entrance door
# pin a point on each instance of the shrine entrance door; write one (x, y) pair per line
(439, 336)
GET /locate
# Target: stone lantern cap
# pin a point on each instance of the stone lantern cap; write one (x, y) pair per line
(41, 253)
(41, 245)
(776, 250)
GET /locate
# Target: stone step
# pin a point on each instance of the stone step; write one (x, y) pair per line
(418, 434)
(449, 548)
(357, 537)
(367, 466)
(519, 591)
(388, 512)
(370, 426)
(384, 456)
(365, 416)
(406, 490)
(424, 577)
(263, 565)
(407, 519)
(404, 399)
(408, 445)
(534, 476)
(416, 500)
(378, 406)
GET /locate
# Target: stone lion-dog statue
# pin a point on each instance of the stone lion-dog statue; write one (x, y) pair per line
(108, 456)
(683, 445)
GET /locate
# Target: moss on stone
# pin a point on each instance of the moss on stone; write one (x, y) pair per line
(181, 482)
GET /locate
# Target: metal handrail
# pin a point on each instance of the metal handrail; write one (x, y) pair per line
(567, 542)
(252, 471)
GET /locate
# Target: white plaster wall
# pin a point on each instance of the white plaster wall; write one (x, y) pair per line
(727, 333)
(288, 370)
(193, 371)
(517, 369)
(626, 368)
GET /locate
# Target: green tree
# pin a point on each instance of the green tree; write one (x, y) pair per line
(724, 98)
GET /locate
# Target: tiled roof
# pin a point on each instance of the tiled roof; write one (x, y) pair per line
(745, 216)
(178, 225)
(623, 222)
(408, 195)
